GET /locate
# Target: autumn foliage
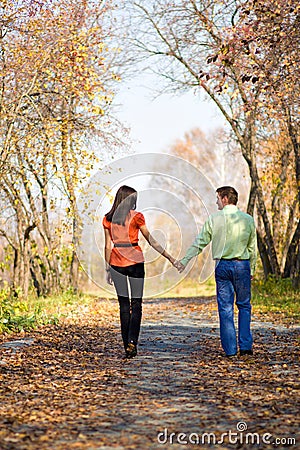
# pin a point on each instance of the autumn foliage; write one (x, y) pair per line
(58, 72)
(245, 57)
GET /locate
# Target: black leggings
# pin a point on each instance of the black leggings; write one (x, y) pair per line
(130, 311)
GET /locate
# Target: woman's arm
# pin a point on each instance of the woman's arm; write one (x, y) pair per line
(107, 252)
(150, 239)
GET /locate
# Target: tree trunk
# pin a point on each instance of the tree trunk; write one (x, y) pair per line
(264, 256)
(41, 218)
(290, 227)
(252, 198)
(256, 197)
(25, 276)
(74, 269)
(262, 210)
(16, 271)
(66, 143)
(292, 265)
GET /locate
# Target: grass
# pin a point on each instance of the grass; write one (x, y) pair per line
(17, 315)
(277, 297)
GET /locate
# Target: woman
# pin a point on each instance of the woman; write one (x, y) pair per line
(125, 261)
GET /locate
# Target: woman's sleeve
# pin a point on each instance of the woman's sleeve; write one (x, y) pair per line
(105, 223)
(140, 220)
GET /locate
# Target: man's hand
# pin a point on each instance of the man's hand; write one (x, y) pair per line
(179, 266)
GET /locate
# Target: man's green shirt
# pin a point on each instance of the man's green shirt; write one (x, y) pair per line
(232, 233)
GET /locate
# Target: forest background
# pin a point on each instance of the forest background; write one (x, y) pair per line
(61, 67)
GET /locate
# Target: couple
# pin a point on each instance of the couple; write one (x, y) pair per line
(233, 236)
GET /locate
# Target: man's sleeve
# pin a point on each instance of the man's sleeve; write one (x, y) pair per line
(201, 241)
(252, 248)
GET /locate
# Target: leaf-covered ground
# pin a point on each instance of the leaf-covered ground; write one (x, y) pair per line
(69, 386)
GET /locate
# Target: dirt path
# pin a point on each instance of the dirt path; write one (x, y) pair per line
(68, 386)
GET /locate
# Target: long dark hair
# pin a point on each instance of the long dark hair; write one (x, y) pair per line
(124, 201)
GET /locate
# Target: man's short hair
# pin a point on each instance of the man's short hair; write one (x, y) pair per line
(230, 193)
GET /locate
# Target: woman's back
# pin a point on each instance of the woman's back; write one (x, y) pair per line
(126, 234)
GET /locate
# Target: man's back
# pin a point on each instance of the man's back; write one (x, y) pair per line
(231, 232)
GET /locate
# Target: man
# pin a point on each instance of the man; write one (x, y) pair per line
(233, 236)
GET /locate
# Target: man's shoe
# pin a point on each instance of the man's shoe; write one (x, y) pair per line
(131, 350)
(246, 352)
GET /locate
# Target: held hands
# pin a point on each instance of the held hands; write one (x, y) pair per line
(177, 264)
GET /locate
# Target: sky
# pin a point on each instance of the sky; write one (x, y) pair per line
(156, 123)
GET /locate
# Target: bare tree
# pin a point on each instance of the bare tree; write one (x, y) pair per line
(189, 43)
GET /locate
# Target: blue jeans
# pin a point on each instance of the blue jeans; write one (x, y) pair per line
(233, 277)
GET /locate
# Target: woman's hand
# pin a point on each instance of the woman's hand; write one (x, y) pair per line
(179, 266)
(108, 277)
(107, 253)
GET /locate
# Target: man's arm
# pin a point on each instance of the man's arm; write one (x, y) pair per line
(201, 241)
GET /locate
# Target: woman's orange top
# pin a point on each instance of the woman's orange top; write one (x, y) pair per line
(128, 233)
